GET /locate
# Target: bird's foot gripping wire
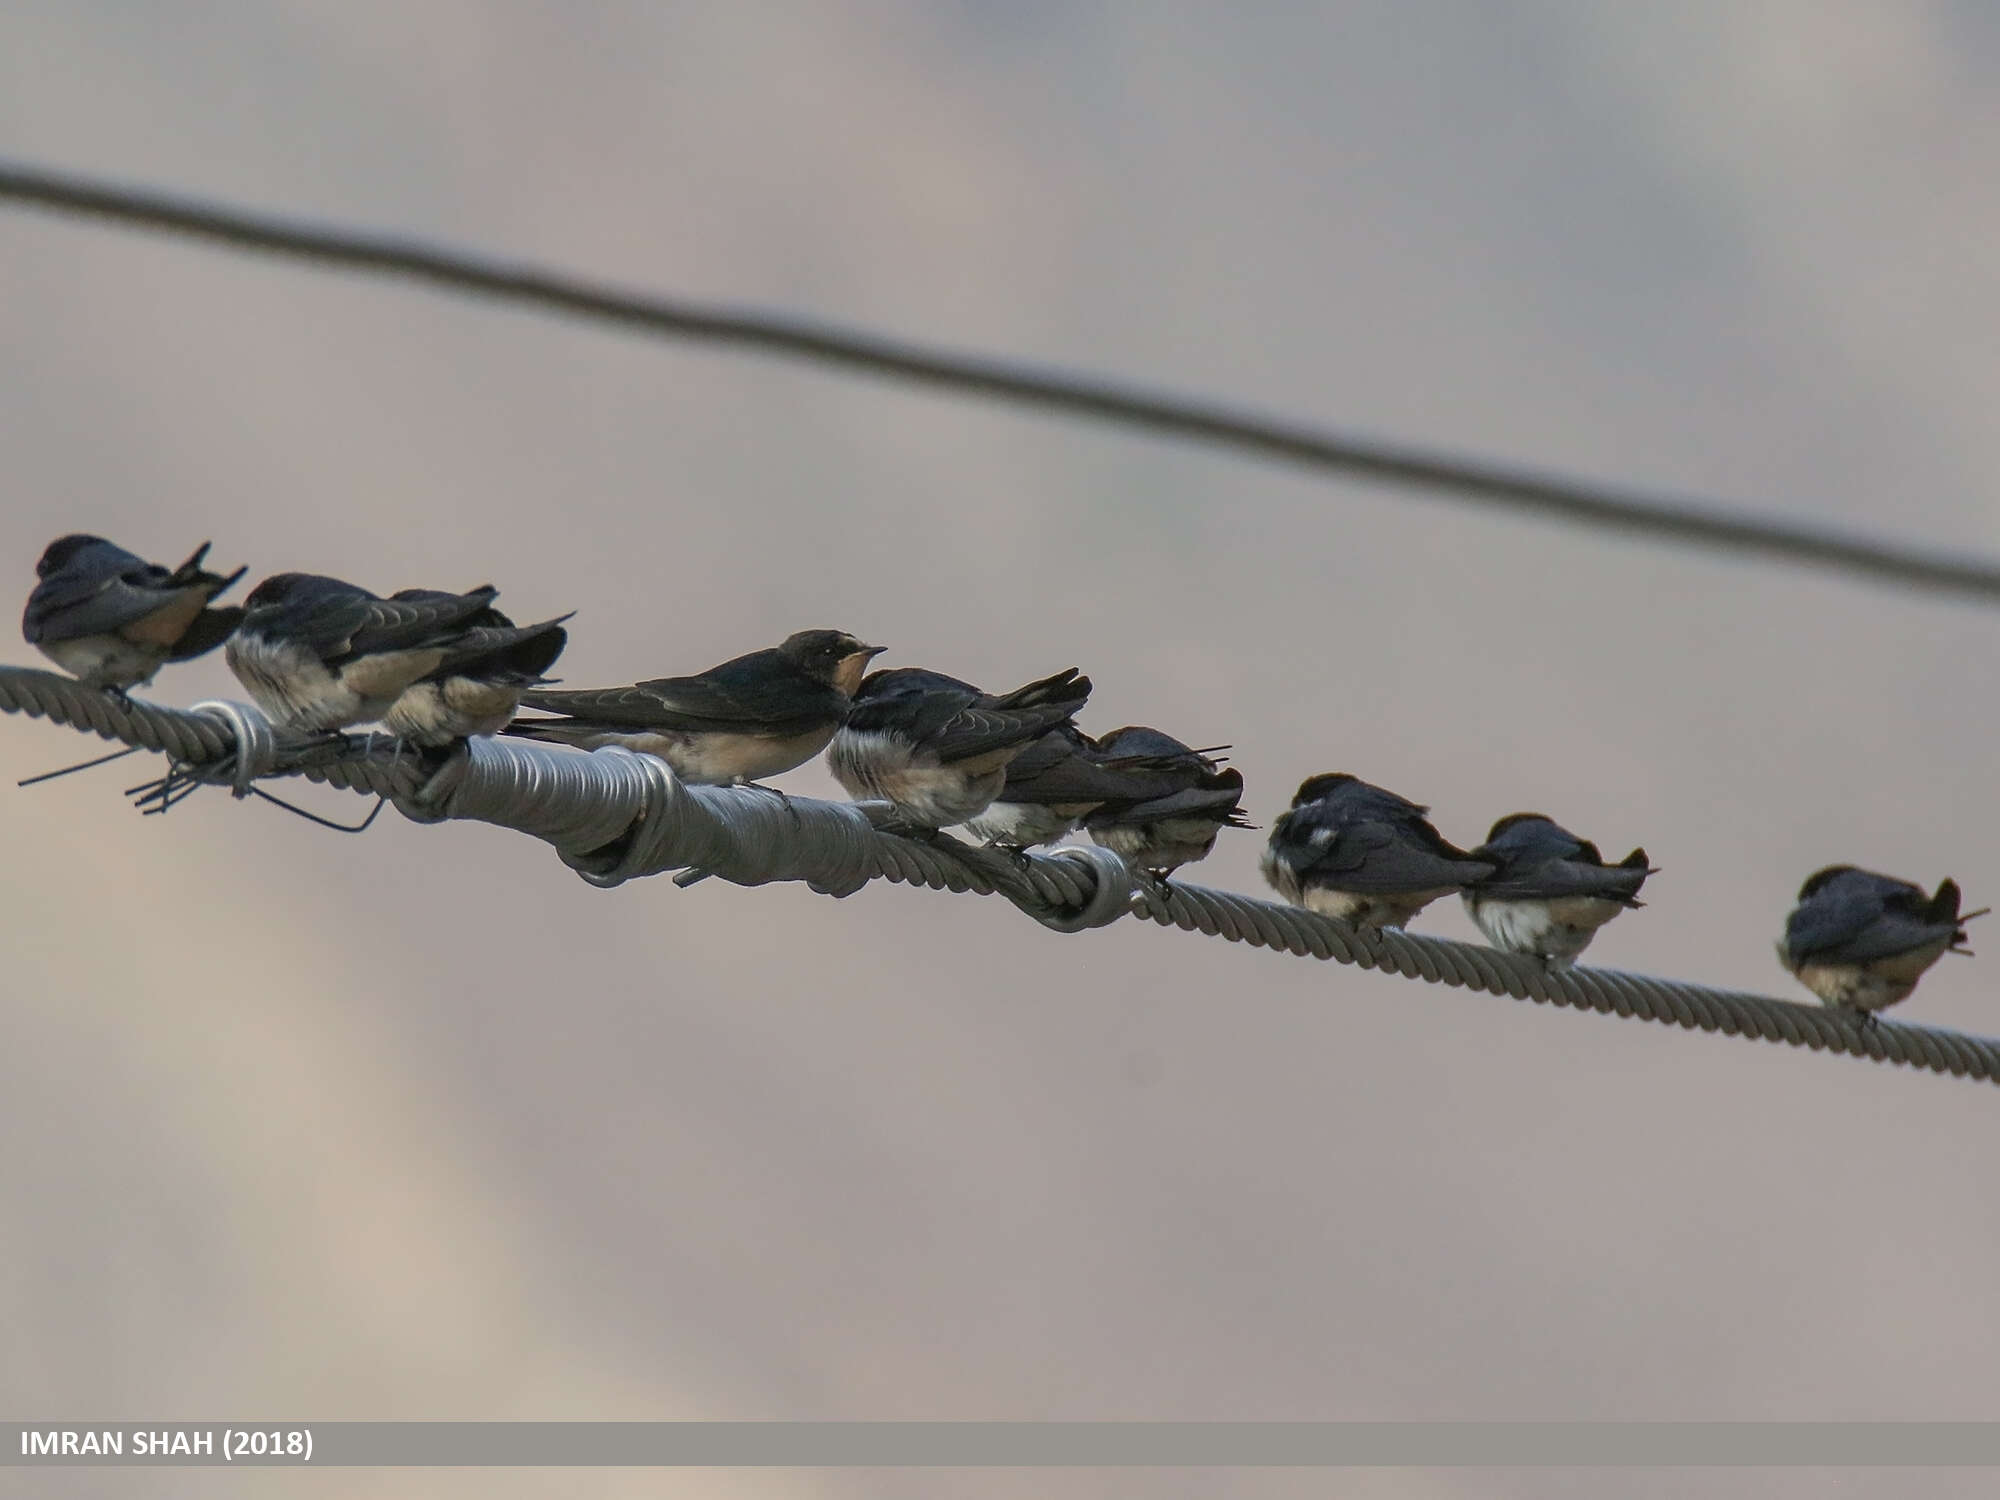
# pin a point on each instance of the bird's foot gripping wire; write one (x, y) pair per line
(758, 786)
(916, 833)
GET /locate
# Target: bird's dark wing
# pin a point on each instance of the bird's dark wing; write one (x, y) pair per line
(522, 652)
(974, 731)
(953, 722)
(751, 695)
(324, 622)
(1360, 800)
(1530, 842)
(760, 693)
(1419, 833)
(191, 573)
(486, 616)
(619, 707)
(1380, 858)
(94, 600)
(1189, 802)
(1552, 879)
(1068, 687)
(1059, 768)
(210, 629)
(1853, 924)
(405, 624)
(910, 708)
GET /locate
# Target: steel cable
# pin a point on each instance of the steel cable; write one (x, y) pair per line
(614, 816)
(1672, 518)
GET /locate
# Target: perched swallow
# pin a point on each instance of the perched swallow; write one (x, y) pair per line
(1050, 785)
(1354, 851)
(318, 654)
(480, 689)
(1160, 830)
(1861, 941)
(111, 620)
(1550, 890)
(939, 748)
(756, 716)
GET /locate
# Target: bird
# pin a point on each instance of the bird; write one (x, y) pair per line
(318, 654)
(112, 620)
(938, 748)
(1362, 854)
(479, 690)
(1065, 777)
(1861, 941)
(1160, 830)
(751, 717)
(1550, 890)
(1050, 785)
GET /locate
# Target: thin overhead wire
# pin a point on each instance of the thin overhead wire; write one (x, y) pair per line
(1677, 519)
(613, 816)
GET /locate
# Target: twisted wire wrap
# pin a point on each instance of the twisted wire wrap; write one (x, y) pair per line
(256, 742)
(613, 815)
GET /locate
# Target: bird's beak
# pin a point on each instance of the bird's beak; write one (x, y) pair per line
(869, 653)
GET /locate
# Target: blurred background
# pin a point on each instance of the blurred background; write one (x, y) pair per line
(418, 1125)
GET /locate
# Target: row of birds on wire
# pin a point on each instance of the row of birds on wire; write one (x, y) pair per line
(433, 668)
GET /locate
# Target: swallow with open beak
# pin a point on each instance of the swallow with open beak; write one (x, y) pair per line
(1176, 821)
(112, 620)
(1550, 890)
(479, 689)
(1364, 855)
(1861, 941)
(756, 716)
(938, 748)
(318, 654)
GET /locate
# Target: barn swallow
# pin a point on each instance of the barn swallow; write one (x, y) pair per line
(318, 654)
(1050, 785)
(939, 748)
(1354, 851)
(756, 716)
(1176, 824)
(1861, 941)
(479, 689)
(111, 620)
(1550, 890)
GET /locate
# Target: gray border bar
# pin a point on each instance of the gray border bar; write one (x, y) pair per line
(1006, 1444)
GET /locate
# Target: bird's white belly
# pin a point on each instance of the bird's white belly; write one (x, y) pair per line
(1872, 986)
(1278, 874)
(932, 796)
(1372, 910)
(1165, 845)
(293, 686)
(439, 712)
(1019, 824)
(716, 759)
(1553, 930)
(105, 660)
